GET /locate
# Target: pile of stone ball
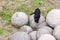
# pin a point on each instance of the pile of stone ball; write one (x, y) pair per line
(35, 26)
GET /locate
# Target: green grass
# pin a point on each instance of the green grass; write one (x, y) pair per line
(2, 13)
(49, 8)
(1, 31)
(39, 2)
(8, 11)
(23, 8)
(10, 30)
(36, 2)
(5, 17)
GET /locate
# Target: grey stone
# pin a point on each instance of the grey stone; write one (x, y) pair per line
(20, 36)
(19, 18)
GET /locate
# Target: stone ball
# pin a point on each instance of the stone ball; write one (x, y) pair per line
(26, 29)
(53, 18)
(19, 18)
(20, 36)
(46, 37)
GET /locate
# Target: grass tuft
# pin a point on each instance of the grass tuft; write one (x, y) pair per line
(39, 2)
(23, 8)
(49, 8)
(1, 31)
(5, 17)
(9, 30)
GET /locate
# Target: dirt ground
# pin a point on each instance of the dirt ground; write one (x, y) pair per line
(9, 29)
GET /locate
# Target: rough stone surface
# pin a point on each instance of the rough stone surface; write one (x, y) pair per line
(44, 24)
(53, 17)
(33, 24)
(19, 19)
(44, 30)
(47, 37)
(26, 29)
(20, 36)
(56, 32)
(33, 35)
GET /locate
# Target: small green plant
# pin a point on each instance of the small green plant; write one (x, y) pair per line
(8, 22)
(49, 8)
(1, 31)
(7, 17)
(42, 2)
(2, 13)
(38, 2)
(10, 30)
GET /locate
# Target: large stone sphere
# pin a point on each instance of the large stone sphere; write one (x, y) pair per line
(20, 36)
(44, 30)
(44, 24)
(46, 37)
(26, 29)
(53, 18)
(33, 24)
(33, 35)
(56, 32)
(19, 19)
